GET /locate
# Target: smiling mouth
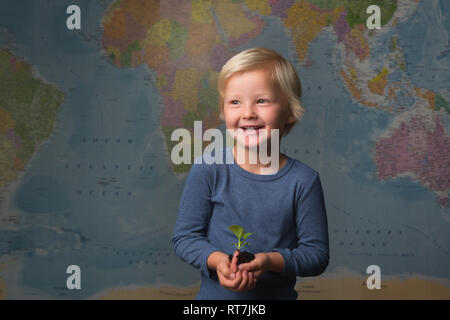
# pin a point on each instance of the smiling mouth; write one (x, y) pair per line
(250, 128)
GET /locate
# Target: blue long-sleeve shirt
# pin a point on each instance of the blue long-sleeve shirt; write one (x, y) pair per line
(285, 212)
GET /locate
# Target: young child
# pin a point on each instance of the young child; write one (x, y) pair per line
(285, 210)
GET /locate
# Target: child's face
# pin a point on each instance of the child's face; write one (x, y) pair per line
(252, 99)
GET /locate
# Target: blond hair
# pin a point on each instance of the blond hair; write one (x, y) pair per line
(281, 71)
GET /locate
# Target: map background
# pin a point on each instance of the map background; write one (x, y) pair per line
(111, 120)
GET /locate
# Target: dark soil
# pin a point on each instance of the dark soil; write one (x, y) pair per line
(243, 257)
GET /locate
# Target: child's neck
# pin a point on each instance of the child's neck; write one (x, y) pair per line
(257, 167)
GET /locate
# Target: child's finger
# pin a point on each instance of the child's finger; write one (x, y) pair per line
(226, 271)
(232, 284)
(249, 266)
(244, 283)
(257, 274)
(252, 268)
(251, 280)
(234, 266)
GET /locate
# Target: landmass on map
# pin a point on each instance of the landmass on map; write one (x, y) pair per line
(186, 48)
(28, 110)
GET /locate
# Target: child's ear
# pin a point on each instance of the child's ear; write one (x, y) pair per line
(291, 119)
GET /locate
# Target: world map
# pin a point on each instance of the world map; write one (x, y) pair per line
(86, 118)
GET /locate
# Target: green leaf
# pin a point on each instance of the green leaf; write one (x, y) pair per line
(237, 230)
(247, 235)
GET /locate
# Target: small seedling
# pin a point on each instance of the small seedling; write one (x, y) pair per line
(241, 236)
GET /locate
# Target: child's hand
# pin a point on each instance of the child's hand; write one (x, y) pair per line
(257, 266)
(231, 277)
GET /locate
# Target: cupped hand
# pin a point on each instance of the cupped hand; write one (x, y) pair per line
(231, 278)
(257, 266)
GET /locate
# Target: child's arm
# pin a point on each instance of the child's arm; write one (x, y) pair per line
(190, 237)
(311, 256)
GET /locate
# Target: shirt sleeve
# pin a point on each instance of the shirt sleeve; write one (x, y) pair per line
(311, 256)
(190, 240)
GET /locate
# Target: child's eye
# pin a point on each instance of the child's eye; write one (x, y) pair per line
(261, 101)
(234, 101)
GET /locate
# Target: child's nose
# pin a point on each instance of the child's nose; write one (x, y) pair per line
(248, 110)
